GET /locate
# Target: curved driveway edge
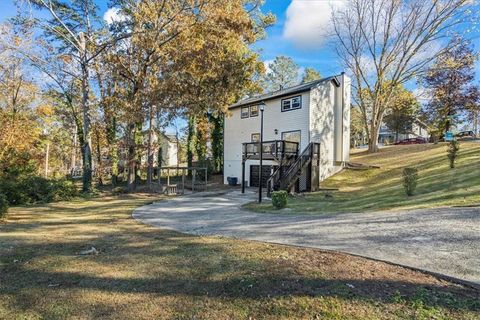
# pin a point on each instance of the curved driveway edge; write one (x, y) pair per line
(443, 240)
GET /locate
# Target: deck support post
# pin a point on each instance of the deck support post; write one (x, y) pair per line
(243, 175)
(183, 181)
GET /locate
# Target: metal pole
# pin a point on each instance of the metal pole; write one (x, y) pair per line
(160, 178)
(183, 181)
(260, 173)
(194, 172)
(243, 176)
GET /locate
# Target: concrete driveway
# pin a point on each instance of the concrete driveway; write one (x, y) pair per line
(444, 240)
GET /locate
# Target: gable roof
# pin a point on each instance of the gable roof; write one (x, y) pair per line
(285, 92)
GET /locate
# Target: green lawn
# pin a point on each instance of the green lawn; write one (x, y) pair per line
(146, 273)
(381, 189)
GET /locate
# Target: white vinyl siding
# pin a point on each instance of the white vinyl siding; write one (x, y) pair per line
(318, 115)
(238, 131)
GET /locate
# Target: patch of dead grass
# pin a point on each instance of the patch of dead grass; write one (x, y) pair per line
(145, 273)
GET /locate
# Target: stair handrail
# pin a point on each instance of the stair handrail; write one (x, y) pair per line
(297, 166)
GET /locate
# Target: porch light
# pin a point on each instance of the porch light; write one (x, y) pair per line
(260, 148)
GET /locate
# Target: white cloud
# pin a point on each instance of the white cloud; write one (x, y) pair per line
(309, 22)
(113, 15)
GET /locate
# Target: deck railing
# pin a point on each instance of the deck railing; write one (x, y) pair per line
(274, 148)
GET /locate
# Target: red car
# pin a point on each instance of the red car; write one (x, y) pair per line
(416, 140)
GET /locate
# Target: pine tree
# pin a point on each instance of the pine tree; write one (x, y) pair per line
(282, 73)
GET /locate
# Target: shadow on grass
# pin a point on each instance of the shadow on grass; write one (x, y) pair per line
(135, 259)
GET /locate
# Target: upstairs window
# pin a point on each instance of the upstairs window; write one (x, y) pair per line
(255, 137)
(292, 136)
(292, 103)
(253, 111)
(245, 112)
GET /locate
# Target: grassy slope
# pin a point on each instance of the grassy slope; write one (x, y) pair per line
(380, 189)
(145, 273)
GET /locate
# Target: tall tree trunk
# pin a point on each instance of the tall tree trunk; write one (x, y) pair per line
(475, 123)
(190, 140)
(73, 161)
(138, 151)
(150, 148)
(114, 161)
(47, 155)
(86, 147)
(111, 136)
(201, 142)
(373, 138)
(99, 158)
(217, 142)
(131, 185)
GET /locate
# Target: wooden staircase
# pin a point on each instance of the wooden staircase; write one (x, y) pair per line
(288, 174)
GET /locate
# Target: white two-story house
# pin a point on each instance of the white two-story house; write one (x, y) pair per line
(315, 113)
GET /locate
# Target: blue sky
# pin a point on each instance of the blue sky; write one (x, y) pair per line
(297, 32)
(276, 44)
(294, 34)
(320, 57)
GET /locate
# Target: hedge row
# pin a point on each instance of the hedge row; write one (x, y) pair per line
(34, 189)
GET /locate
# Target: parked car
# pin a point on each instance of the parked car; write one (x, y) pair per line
(416, 140)
(465, 135)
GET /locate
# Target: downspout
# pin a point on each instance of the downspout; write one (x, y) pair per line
(343, 112)
(223, 144)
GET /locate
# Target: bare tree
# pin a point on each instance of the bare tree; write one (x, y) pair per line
(385, 43)
(74, 29)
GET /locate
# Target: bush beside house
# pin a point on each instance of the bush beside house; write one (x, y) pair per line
(279, 199)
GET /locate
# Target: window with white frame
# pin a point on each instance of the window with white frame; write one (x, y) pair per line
(245, 112)
(292, 136)
(253, 111)
(292, 103)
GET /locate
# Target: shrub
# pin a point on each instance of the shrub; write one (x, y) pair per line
(37, 189)
(34, 189)
(452, 151)
(13, 191)
(64, 190)
(279, 199)
(410, 177)
(3, 206)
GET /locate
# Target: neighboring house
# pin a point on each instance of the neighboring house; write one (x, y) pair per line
(418, 130)
(164, 147)
(315, 112)
(169, 149)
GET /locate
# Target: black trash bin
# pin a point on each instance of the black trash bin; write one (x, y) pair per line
(232, 181)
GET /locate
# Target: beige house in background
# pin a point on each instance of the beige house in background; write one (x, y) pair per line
(164, 145)
(315, 112)
(419, 129)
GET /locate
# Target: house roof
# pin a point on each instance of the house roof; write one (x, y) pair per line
(420, 122)
(285, 92)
